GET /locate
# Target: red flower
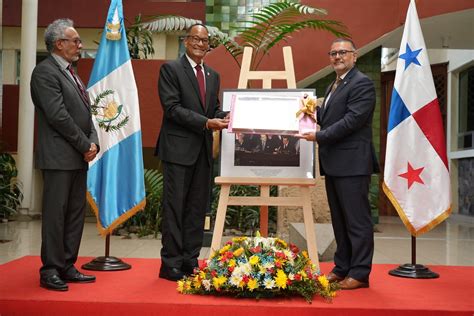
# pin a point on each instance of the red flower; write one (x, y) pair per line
(245, 278)
(230, 269)
(280, 254)
(297, 277)
(214, 273)
(256, 249)
(229, 254)
(288, 282)
(278, 264)
(294, 249)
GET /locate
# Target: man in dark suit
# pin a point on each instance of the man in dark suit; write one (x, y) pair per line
(67, 142)
(347, 159)
(189, 92)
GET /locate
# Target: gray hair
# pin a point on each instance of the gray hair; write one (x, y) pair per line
(345, 39)
(55, 31)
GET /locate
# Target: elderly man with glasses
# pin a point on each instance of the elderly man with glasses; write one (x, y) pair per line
(67, 141)
(189, 92)
(347, 160)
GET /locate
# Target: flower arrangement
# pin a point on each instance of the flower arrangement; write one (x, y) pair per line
(258, 267)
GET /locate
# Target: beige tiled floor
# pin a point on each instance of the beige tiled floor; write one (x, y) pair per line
(450, 243)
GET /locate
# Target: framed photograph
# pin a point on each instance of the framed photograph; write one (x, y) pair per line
(270, 151)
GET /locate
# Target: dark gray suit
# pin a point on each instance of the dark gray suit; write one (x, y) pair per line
(64, 133)
(185, 148)
(347, 159)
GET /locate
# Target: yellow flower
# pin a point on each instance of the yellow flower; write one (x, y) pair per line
(254, 260)
(238, 239)
(281, 279)
(238, 252)
(218, 282)
(261, 269)
(187, 285)
(180, 286)
(197, 282)
(282, 242)
(224, 249)
(305, 254)
(252, 284)
(232, 263)
(303, 274)
(324, 281)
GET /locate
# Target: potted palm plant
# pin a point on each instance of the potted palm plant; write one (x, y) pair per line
(10, 189)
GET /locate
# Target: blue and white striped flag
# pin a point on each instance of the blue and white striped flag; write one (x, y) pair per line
(115, 183)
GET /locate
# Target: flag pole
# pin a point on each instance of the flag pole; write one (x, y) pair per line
(413, 270)
(106, 263)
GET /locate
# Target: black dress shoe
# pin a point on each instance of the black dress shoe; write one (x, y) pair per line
(172, 274)
(188, 269)
(78, 277)
(53, 282)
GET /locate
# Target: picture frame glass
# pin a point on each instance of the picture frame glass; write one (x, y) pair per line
(265, 152)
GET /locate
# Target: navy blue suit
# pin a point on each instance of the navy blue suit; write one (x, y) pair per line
(347, 159)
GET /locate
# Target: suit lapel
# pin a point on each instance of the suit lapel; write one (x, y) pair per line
(66, 75)
(344, 82)
(192, 78)
(207, 76)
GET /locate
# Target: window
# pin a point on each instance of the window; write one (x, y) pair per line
(466, 109)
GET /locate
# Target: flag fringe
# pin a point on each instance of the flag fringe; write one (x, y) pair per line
(414, 232)
(104, 231)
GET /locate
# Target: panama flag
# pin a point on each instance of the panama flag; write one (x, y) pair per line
(115, 182)
(416, 176)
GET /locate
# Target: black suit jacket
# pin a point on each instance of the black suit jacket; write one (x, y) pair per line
(64, 122)
(183, 128)
(345, 138)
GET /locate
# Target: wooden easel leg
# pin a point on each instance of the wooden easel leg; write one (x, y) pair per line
(264, 192)
(309, 226)
(220, 217)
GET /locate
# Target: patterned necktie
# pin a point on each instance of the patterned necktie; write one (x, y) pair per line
(78, 83)
(202, 89)
(336, 83)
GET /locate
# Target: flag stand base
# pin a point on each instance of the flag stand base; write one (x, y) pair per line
(106, 264)
(413, 271)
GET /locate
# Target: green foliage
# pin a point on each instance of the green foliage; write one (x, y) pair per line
(10, 189)
(148, 221)
(275, 23)
(244, 218)
(140, 41)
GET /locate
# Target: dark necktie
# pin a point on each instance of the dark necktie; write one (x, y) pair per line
(202, 89)
(78, 83)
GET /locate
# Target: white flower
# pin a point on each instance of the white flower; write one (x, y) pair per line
(246, 268)
(269, 283)
(268, 265)
(206, 284)
(235, 280)
(291, 276)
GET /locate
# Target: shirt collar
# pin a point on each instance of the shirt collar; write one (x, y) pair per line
(61, 61)
(193, 63)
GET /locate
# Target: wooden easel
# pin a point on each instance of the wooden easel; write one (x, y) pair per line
(264, 200)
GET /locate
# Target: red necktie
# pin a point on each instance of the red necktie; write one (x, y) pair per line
(78, 83)
(202, 89)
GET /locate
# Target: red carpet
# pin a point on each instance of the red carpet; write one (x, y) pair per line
(139, 292)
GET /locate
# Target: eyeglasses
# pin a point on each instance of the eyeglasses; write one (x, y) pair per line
(341, 53)
(197, 39)
(76, 41)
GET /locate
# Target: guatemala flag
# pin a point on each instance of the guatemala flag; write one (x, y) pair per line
(115, 182)
(416, 176)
